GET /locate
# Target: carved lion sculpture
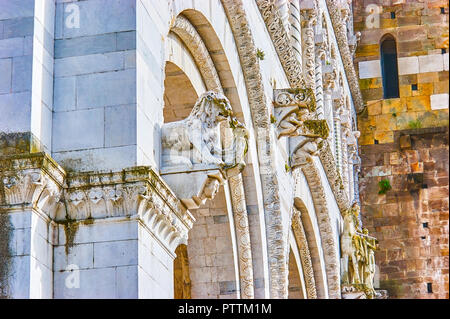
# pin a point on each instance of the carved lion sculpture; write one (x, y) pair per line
(196, 138)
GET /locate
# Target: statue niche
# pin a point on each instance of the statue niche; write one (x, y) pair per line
(194, 163)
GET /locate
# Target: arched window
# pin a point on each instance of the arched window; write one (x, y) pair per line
(389, 67)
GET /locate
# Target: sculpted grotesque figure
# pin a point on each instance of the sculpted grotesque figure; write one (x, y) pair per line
(236, 153)
(210, 138)
(210, 188)
(303, 153)
(196, 138)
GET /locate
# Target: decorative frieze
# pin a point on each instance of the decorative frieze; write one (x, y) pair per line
(31, 180)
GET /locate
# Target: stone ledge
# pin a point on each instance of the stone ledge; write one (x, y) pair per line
(37, 182)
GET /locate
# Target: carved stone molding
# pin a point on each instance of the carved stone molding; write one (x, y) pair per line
(305, 255)
(340, 30)
(261, 121)
(309, 20)
(334, 178)
(138, 192)
(243, 236)
(236, 147)
(329, 243)
(280, 38)
(304, 152)
(31, 180)
(187, 32)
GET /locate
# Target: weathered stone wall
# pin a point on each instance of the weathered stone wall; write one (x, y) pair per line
(5, 253)
(411, 219)
(421, 33)
(94, 114)
(210, 250)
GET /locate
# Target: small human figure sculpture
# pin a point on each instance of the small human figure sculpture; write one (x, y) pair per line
(291, 124)
(368, 266)
(210, 188)
(349, 245)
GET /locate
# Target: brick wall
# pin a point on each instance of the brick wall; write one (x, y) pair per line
(411, 219)
(421, 33)
(405, 140)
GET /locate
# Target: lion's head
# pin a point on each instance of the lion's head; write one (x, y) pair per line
(211, 108)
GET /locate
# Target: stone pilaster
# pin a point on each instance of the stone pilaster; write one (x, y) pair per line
(30, 195)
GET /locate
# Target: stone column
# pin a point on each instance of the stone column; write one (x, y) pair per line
(337, 108)
(345, 134)
(243, 236)
(309, 19)
(295, 30)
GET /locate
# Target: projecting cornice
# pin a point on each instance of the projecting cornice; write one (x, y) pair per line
(35, 181)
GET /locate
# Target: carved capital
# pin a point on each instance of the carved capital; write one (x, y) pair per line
(329, 76)
(31, 180)
(134, 192)
(352, 144)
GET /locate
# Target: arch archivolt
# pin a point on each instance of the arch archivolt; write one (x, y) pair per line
(191, 39)
(238, 44)
(189, 35)
(327, 235)
(178, 54)
(297, 287)
(305, 256)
